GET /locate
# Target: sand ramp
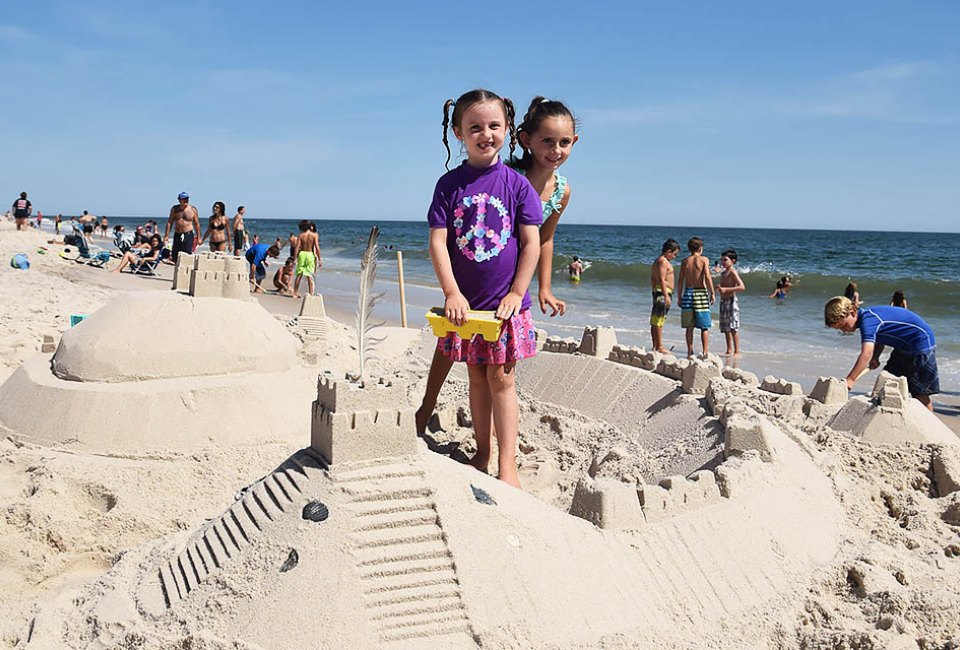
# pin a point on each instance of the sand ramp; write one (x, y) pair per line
(408, 576)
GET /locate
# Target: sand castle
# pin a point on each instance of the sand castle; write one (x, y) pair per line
(159, 370)
(211, 274)
(365, 539)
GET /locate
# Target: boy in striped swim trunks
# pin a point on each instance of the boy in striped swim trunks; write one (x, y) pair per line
(914, 346)
(696, 294)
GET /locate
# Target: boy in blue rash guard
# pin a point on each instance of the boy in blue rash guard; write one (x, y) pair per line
(912, 340)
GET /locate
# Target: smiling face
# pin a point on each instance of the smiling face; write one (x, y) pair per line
(551, 143)
(482, 130)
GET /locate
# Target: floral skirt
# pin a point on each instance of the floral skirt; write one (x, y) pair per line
(518, 340)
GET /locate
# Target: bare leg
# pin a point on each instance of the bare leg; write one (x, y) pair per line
(296, 286)
(310, 284)
(736, 343)
(704, 338)
(506, 417)
(656, 333)
(729, 338)
(925, 400)
(689, 335)
(439, 369)
(480, 412)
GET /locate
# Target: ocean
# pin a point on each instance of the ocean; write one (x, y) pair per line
(615, 290)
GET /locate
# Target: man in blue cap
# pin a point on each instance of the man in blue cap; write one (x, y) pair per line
(186, 226)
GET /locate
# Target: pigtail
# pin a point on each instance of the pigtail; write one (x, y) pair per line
(511, 117)
(446, 123)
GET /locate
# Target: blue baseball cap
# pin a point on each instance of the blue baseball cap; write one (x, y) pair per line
(183, 195)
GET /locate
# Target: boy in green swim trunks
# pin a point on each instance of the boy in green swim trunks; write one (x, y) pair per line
(307, 253)
(661, 282)
(696, 294)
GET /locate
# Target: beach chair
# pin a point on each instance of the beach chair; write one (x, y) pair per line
(85, 255)
(144, 267)
(122, 243)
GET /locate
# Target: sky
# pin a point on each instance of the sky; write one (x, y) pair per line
(811, 114)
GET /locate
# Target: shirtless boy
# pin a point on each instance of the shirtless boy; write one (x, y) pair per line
(186, 226)
(661, 282)
(696, 294)
(307, 253)
(730, 284)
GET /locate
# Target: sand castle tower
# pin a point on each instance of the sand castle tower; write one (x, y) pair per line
(159, 370)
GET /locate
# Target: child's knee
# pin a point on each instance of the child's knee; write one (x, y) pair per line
(501, 378)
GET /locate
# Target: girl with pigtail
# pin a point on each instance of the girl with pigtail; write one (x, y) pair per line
(484, 246)
(547, 135)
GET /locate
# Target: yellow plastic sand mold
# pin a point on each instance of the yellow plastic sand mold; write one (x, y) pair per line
(478, 322)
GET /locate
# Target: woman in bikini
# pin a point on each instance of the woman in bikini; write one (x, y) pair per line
(218, 228)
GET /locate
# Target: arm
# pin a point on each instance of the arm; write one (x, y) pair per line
(316, 251)
(529, 253)
(545, 264)
(682, 280)
(204, 237)
(866, 355)
(196, 227)
(166, 230)
(455, 304)
(708, 280)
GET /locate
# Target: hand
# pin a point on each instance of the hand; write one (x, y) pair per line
(509, 306)
(850, 383)
(874, 364)
(547, 299)
(319, 263)
(455, 308)
(713, 298)
(666, 300)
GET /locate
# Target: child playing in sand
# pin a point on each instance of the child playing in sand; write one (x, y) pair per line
(547, 135)
(484, 246)
(696, 294)
(283, 278)
(912, 340)
(306, 250)
(661, 283)
(256, 256)
(730, 284)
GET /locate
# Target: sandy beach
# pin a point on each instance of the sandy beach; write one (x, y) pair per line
(174, 475)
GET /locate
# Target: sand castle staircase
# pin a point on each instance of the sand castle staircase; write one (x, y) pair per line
(409, 580)
(223, 538)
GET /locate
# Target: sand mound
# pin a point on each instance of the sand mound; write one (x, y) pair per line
(156, 372)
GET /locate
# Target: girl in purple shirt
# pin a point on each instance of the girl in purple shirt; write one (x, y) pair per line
(484, 244)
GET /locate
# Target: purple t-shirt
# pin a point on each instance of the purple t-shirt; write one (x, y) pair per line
(482, 211)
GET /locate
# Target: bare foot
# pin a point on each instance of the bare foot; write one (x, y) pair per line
(479, 463)
(662, 350)
(509, 476)
(420, 420)
(296, 295)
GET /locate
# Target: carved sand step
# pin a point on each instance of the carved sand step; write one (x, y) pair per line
(372, 556)
(404, 518)
(367, 508)
(396, 537)
(407, 567)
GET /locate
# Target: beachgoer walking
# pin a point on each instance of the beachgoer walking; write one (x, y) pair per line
(914, 346)
(661, 283)
(546, 135)
(56, 223)
(306, 252)
(696, 294)
(21, 211)
(218, 228)
(185, 222)
(484, 246)
(239, 234)
(88, 222)
(730, 285)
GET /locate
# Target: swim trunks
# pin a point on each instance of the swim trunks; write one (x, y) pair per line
(729, 314)
(923, 377)
(306, 263)
(658, 315)
(182, 243)
(695, 308)
(238, 239)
